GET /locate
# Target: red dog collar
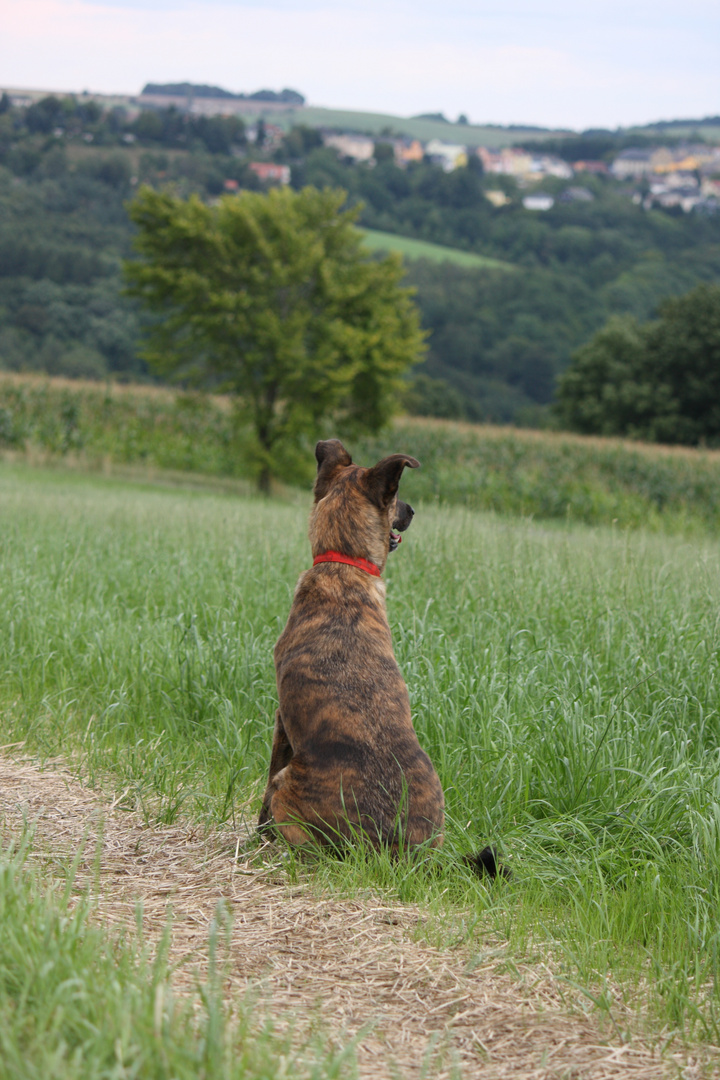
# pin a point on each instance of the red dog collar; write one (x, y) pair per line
(336, 556)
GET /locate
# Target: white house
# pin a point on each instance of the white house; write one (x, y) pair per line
(545, 165)
(449, 155)
(541, 201)
(357, 147)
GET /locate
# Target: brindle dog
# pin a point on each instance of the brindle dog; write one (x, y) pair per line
(346, 761)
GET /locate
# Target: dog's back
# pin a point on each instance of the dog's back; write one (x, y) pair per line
(346, 758)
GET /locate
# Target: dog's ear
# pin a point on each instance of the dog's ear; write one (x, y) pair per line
(331, 455)
(383, 479)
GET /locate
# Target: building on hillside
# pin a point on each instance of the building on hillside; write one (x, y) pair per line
(661, 160)
(635, 162)
(448, 155)
(685, 196)
(710, 187)
(540, 201)
(598, 168)
(489, 159)
(692, 158)
(711, 161)
(548, 165)
(673, 189)
(686, 163)
(270, 173)
(407, 151)
(710, 170)
(355, 147)
(632, 163)
(678, 179)
(497, 197)
(509, 161)
(524, 165)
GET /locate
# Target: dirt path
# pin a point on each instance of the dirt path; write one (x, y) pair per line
(350, 962)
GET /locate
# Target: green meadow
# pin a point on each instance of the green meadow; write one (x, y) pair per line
(416, 127)
(422, 249)
(563, 677)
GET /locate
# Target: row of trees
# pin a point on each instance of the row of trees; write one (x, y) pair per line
(70, 117)
(173, 129)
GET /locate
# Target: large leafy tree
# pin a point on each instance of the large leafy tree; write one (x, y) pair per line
(658, 380)
(271, 297)
(603, 391)
(683, 358)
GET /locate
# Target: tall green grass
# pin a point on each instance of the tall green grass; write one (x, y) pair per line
(125, 425)
(76, 1002)
(557, 476)
(565, 681)
(547, 476)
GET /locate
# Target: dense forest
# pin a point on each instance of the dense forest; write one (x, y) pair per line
(498, 339)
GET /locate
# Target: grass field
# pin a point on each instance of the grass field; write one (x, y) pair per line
(564, 679)
(376, 123)
(421, 249)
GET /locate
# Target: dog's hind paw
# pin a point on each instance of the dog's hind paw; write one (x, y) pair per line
(486, 863)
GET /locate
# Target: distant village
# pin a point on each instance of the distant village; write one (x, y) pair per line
(686, 177)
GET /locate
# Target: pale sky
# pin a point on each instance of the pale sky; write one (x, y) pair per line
(554, 63)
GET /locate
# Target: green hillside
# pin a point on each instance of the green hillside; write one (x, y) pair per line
(707, 129)
(421, 249)
(472, 135)
(376, 123)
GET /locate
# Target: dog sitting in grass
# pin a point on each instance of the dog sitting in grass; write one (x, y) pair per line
(346, 762)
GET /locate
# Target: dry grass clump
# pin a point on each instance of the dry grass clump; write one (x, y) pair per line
(352, 967)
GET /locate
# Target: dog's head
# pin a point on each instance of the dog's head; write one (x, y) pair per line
(357, 511)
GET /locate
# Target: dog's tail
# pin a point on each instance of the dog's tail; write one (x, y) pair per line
(487, 864)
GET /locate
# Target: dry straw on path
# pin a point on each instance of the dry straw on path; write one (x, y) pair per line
(354, 963)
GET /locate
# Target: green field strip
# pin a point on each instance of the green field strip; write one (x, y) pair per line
(423, 249)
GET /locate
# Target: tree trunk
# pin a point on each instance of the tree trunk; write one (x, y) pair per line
(264, 478)
(264, 414)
